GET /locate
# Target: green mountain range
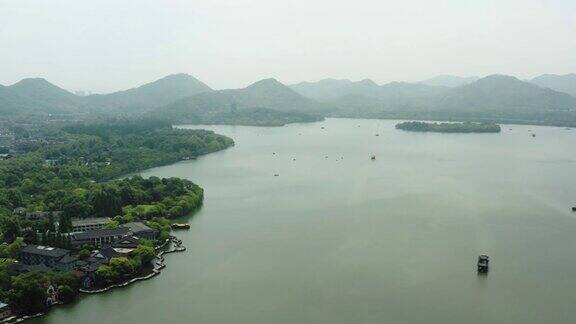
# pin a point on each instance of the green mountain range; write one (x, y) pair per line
(150, 95)
(182, 98)
(495, 98)
(563, 83)
(266, 102)
(40, 97)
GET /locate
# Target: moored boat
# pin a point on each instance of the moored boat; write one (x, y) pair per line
(180, 226)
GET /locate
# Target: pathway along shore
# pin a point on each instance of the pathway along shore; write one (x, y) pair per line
(158, 264)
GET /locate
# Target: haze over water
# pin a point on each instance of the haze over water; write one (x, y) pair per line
(338, 238)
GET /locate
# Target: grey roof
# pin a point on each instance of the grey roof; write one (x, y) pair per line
(45, 250)
(109, 253)
(126, 241)
(68, 259)
(100, 233)
(137, 227)
(90, 221)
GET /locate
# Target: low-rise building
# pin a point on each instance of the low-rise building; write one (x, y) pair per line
(39, 254)
(89, 224)
(5, 311)
(42, 215)
(142, 231)
(127, 242)
(99, 237)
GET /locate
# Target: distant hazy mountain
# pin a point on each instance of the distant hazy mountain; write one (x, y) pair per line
(366, 96)
(40, 97)
(563, 83)
(505, 93)
(495, 98)
(268, 98)
(183, 98)
(330, 89)
(449, 81)
(32, 96)
(150, 95)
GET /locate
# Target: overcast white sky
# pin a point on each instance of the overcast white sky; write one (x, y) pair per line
(108, 45)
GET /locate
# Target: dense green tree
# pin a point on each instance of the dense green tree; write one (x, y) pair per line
(28, 293)
(145, 253)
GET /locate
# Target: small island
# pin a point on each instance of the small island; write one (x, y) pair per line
(466, 127)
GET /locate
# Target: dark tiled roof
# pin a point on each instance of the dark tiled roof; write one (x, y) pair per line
(126, 241)
(45, 250)
(68, 259)
(101, 233)
(137, 227)
(90, 221)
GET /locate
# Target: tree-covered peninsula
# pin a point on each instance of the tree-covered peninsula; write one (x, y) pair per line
(78, 176)
(449, 127)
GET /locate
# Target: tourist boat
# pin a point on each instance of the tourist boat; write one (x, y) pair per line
(483, 261)
(180, 226)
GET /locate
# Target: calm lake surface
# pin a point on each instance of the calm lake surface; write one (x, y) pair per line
(338, 238)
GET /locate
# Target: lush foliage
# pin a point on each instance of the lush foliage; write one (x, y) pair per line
(79, 177)
(70, 177)
(449, 127)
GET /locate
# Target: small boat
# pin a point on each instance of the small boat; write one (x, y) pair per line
(533, 135)
(574, 209)
(180, 226)
(373, 157)
(322, 127)
(377, 134)
(483, 261)
(276, 174)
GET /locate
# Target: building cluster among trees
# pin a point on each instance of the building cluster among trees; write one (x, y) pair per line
(67, 221)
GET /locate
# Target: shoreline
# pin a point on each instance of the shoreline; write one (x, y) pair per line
(159, 264)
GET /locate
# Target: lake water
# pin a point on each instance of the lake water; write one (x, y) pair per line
(338, 238)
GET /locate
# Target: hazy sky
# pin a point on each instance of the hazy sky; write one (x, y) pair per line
(103, 45)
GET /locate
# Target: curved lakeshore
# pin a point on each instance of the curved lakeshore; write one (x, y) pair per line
(345, 239)
(158, 265)
(72, 224)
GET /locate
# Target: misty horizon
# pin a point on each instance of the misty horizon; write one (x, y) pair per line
(112, 46)
(145, 82)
